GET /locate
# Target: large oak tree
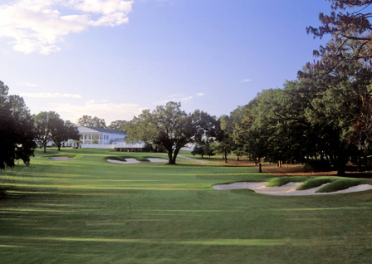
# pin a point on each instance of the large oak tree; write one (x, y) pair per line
(168, 126)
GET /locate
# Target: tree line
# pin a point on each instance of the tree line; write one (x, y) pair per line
(21, 132)
(324, 114)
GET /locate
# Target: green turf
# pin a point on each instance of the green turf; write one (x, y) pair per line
(343, 184)
(87, 210)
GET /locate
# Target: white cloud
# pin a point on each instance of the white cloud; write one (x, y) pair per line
(174, 98)
(200, 94)
(108, 111)
(246, 80)
(38, 25)
(51, 95)
(185, 99)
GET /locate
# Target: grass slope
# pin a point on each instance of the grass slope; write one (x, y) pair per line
(87, 210)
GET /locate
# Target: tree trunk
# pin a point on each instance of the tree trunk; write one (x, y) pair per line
(175, 154)
(341, 165)
(259, 167)
(225, 155)
(44, 148)
(170, 159)
(359, 163)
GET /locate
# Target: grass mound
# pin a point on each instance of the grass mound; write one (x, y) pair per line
(119, 158)
(343, 184)
(279, 181)
(312, 183)
(63, 154)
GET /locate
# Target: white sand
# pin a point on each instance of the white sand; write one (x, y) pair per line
(284, 190)
(157, 160)
(134, 161)
(127, 161)
(61, 158)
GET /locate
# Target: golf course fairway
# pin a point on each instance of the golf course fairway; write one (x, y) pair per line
(87, 210)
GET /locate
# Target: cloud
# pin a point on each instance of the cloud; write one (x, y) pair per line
(51, 95)
(174, 98)
(246, 80)
(38, 25)
(177, 97)
(108, 111)
(27, 84)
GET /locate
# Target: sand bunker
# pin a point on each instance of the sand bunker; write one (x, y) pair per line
(284, 190)
(133, 161)
(61, 158)
(127, 161)
(156, 160)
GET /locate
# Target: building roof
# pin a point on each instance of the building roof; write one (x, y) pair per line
(101, 130)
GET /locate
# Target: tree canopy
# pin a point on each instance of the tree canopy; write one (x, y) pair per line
(118, 125)
(90, 121)
(62, 131)
(16, 129)
(169, 127)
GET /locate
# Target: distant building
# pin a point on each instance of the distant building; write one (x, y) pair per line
(102, 138)
(95, 135)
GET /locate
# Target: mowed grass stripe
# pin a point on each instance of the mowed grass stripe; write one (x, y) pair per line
(89, 211)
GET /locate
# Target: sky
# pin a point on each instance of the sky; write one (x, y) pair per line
(114, 58)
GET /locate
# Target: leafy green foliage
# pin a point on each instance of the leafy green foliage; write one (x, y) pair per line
(118, 125)
(16, 129)
(169, 127)
(318, 181)
(341, 184)
(90, 121)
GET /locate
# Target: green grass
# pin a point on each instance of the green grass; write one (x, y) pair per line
(342, 184)
(335, 183)
(87, 210)
(315, 182)
(279, 181)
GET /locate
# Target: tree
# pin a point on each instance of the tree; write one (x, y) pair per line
(44, 124)
(118, 125)
(208, 149)
(224, 137)
(167, 126)
(62, 131)
(16, 129)
(351, 40)
(89, 121)
(198, 150)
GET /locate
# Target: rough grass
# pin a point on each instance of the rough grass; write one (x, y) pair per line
(90, 211)
(342, 184)
(335, 183)
(279, 181)
(64, 154)
(312, 183)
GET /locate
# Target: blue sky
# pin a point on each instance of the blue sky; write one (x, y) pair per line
(113, 58)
